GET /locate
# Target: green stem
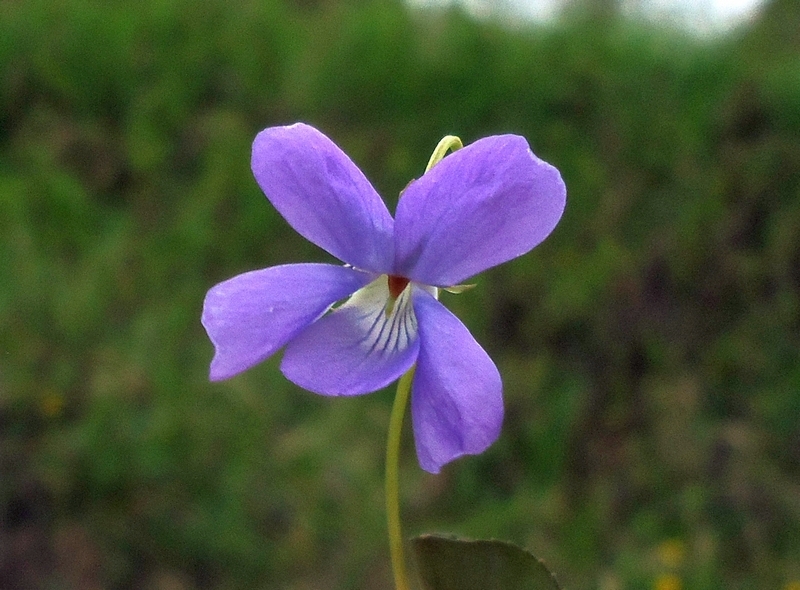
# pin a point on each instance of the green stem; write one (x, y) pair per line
(393, 480)
(448, 142)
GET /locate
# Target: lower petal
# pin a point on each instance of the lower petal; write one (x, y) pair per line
(358, 347)
(457, 401)
(252, 315)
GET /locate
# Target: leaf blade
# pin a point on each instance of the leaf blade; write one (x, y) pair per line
(448, 563)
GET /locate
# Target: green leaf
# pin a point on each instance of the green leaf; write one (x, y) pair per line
(447, 563)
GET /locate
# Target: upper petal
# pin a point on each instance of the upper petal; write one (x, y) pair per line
(358, 347)
(323, 195)
(254, 314)
(457, 394)
(482, 205)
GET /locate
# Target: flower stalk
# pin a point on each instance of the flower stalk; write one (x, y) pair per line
(396, 541)
(448, 142)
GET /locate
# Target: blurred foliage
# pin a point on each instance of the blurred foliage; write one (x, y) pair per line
(649, 348)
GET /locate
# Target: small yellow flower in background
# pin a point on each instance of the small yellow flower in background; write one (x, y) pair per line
(792, 585)
(671, 553)
(52, 404)
(668, 582)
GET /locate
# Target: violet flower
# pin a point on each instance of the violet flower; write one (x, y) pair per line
(485, 204)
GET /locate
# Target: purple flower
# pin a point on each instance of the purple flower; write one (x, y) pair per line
(480, 206)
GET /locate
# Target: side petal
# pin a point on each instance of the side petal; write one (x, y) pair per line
(324, 196)
(252, 315)
(358, 347)
(485, 204)
(457, 394)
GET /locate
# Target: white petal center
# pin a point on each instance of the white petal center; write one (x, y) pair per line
(388, 326)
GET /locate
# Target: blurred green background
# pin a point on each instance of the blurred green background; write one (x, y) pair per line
(649, 348)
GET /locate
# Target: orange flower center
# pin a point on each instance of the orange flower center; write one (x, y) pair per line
(396, 285)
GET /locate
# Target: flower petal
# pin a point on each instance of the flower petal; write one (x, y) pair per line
(324, 196)
(485, 204)
(254, 314)
(457, 394)
(358, 347)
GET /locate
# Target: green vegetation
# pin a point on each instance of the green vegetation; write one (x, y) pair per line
(649, 348)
